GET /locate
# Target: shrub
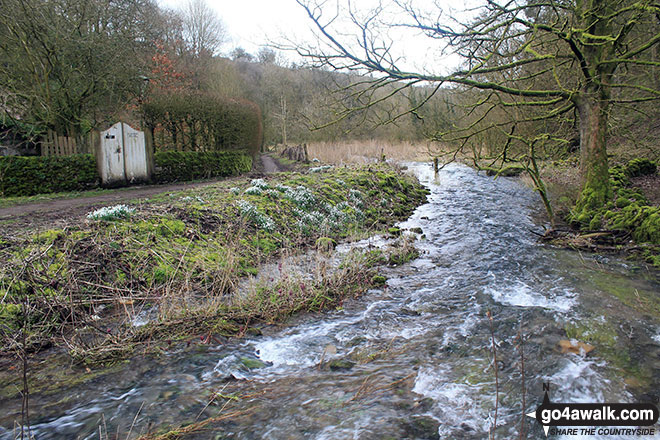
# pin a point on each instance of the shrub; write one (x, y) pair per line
(27, 176)
(188, 165)
(201, 122)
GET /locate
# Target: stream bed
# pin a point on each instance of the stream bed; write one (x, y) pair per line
(413, 360)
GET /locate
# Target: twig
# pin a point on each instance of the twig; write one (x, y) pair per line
(495, 368)
(128, 436)
(213, 396)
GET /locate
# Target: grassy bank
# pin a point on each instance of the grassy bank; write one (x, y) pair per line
(176, 261)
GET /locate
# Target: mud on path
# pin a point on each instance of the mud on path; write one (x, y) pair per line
(59, 212)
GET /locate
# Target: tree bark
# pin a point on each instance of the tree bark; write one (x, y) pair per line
(594, 113)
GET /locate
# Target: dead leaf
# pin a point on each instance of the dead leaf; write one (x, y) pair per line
(576, 347)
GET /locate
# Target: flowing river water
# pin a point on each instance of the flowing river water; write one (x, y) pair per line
(412, 360)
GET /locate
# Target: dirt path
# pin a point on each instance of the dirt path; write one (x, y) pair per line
(270, 165)
(57, 212)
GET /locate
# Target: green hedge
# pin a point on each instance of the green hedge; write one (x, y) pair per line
(201, 122)
(27, 176)
(187, 165)
(30, 175)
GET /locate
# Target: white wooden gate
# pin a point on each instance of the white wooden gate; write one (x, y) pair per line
(122, 156)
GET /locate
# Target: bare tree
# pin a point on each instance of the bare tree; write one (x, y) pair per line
(539, 64)
(203, 28)
(65, 64)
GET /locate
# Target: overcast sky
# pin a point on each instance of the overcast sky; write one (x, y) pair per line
(252, 24)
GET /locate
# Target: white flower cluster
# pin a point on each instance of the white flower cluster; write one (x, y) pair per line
(192, 199)
(313, 216)
(302, 197)
(235, 190)
(334, 218)
(259, 183)
(257, 187)
(355, 197)
(261, 220)
(111, 213)
(337, 215)
(272, 193)
(319, 169)
(311, 221)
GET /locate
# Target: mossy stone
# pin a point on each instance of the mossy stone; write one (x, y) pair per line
(340, 364)
(252, 364)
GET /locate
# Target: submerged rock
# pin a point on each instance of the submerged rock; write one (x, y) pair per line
(421, 427)
(340, 364)
(252, 364)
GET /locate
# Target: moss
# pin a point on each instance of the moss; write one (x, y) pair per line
(596, 222)
(378, 280)
(48, 236)
(325, 244)
(640, 167)
(252, 364)
(604, 337)
(622, 202)
(619, 287)
(402, 255)
(649, 229)
(265, 245)
(628, 211)
(9, 315)
(162, 273)
(598, 333)
(340, 364)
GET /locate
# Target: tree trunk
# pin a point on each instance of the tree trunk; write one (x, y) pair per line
(595, 193)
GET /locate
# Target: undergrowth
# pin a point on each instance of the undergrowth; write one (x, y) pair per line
(177, 261)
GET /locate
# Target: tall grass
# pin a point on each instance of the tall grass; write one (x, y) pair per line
(367, 151)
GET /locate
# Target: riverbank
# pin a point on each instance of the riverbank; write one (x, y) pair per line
(148, 276)
(414, 354)
(628, 224)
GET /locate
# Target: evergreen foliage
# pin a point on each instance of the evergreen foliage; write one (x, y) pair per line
(30, 175)
(192, 121)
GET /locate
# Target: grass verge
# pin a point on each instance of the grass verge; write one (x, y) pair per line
(105, 289)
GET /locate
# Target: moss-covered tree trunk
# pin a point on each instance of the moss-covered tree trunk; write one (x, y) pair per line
(593, 109)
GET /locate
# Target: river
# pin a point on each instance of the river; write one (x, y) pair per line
(417, 354)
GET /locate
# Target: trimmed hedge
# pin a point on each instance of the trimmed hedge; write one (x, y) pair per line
(30, 175)
(188, 165)
(201, 122)
(27, 176)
